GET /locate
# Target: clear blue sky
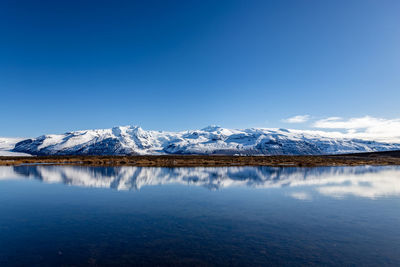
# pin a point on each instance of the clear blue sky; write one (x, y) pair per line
(175, 65)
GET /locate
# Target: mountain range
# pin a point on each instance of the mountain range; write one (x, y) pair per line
(212, 140)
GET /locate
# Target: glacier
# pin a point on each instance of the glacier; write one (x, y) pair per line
(212, 140)
(7, 145)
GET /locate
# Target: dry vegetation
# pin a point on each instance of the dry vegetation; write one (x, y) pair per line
(380, 158)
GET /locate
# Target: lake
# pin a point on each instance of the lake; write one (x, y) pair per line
(253, 216)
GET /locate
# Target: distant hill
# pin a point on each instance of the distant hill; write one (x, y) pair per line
(392, 153)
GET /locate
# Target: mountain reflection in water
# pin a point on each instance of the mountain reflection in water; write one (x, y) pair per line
(361, 181)
(239, 216)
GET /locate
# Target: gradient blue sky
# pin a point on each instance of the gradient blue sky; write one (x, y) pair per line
(175, 65)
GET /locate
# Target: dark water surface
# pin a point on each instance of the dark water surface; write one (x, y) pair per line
(251, 216)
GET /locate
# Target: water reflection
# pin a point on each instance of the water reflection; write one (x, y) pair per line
(339, 182)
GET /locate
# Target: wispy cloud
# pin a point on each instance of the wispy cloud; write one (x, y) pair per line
(297, 119)
(366, 127)
(301, 196)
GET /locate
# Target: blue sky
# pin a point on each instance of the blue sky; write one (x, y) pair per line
(175, 65)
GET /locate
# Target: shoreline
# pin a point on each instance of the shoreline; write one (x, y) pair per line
(375, 158)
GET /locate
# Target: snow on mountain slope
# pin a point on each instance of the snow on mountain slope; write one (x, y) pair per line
(7, 144)
(132, 140)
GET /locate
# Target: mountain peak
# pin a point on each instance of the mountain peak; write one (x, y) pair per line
(212, 128)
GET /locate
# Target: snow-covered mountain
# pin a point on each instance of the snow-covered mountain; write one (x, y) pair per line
(133, 140)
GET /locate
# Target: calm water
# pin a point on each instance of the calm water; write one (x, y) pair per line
(199, 216)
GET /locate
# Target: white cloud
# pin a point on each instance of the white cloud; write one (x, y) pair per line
(297, 119)
(366, 127)
(301, 196)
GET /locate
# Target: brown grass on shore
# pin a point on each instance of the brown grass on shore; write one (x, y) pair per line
(385, 158)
